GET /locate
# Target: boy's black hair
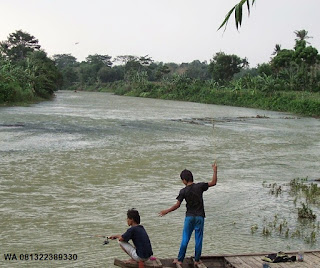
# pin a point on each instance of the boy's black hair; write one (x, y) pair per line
(133, 214)
(186, 175)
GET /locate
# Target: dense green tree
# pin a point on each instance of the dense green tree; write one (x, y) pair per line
(64, 61)
(136, 67)
(68, 66)
(70, 77)
(107, 74)
(198, 70)
(298, 68)
(161, 71)
(14, 83)
(264, 69)
(302, 54)
(223, 66)
(18, 45)
(26, 72)
(283, 59)
(88, 74)
(89, 69)
(99, 60)
(43, 74)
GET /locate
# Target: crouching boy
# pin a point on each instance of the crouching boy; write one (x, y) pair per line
(141, 249)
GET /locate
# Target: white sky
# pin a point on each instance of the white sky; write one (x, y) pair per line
(167, 30)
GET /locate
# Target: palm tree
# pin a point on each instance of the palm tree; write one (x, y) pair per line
(302, 35)
(237, 10)
(276, 50)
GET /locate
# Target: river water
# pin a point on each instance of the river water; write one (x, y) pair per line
(70, 168)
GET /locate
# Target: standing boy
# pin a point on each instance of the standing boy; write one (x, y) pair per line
(194, 220)
(142, 250)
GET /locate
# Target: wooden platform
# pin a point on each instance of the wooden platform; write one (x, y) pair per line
(311, 260)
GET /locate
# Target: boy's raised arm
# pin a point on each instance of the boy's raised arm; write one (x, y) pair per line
(213, 182)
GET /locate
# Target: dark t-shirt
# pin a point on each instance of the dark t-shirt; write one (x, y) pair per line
(140, 240)
(193, 194)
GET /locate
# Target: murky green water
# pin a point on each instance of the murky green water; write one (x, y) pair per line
(70, 169)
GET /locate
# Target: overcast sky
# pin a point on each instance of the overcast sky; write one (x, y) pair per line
(167, 30)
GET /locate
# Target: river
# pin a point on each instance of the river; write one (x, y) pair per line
(70, 168)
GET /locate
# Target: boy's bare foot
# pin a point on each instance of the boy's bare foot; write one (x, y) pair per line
(198, 264)
(177, 262)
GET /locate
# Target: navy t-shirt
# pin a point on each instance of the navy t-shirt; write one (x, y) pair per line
(140, 240)
(193, 194)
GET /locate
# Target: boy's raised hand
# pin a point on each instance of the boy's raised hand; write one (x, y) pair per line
(213, 182)
(215, 167)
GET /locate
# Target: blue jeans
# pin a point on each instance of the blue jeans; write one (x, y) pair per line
(191, 223)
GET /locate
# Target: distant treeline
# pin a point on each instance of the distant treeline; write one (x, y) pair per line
(290, 81)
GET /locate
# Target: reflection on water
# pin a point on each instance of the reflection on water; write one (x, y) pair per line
(72, 167)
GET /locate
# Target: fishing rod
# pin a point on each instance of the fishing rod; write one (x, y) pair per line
(105, 242)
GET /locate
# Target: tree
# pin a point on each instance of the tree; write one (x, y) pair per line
(18, 45)
(136, 66)
(237, 10)
(223, 66)
(302, 54)
(283, 59)
(124, 59)
(276, 50)
(198, 70)
(145, 60)
(68, 66)
(90, 68)
(298, 67)
(43, 74)
(64, 60)
(302, 35)
(264, 69)
(160, 71)
(107, 74)
(99, 60)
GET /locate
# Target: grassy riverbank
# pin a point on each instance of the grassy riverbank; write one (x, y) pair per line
(27, 102)
(298, 102)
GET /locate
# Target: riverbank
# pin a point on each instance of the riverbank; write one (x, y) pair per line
(26, 103)
(298, 102)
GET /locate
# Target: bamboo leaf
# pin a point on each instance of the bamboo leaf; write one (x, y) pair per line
(248, 6)
(227, 18)
(238, 16)
(237, 9)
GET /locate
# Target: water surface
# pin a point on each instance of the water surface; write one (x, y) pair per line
(70, 168)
